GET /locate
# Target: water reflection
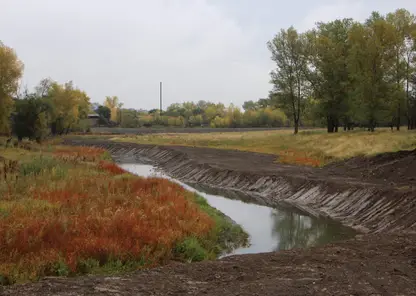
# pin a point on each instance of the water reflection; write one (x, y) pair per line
(270, 229)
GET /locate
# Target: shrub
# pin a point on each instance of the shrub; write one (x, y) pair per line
(191, 250)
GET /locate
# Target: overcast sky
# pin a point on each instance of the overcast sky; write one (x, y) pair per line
(201, 49)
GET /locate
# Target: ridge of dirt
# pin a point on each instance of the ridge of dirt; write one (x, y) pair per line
(393, 167)
(367, 265)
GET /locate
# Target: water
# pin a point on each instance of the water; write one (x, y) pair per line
(270, 229)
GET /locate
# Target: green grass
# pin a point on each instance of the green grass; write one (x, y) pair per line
(224, 237)
(311, 147)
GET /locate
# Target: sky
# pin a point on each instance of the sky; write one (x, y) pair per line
(212, 50)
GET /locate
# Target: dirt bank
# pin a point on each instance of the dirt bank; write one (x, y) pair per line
(369, 265)
(348, 192)
(382, 263)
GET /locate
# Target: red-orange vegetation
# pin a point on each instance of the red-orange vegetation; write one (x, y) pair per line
(99, 218)
(299, 157)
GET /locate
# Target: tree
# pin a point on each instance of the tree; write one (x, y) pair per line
(250, 105)
(11, 70)
(69, 105)
(129, 118)
(105, 115)
(403, 24)
(328, 50)
(30, 119)
(114, 104)
(289, 82)
(371, 59)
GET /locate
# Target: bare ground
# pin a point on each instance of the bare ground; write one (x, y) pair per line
(377, 264)
(367, 265)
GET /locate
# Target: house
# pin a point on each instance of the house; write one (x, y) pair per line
(93, 119)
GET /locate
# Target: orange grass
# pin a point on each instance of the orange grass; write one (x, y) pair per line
(102, 217)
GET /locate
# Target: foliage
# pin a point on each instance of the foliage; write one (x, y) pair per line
(113, 103)
(289, 81)
(105, 114)
(30, 118)
(354, 73)
(67, 212)
(11, 70)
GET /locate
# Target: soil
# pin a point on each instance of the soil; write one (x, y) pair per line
(370, 264)
(367, 265)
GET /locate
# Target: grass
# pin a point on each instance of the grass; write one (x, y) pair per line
(70, 211)
(312, 148)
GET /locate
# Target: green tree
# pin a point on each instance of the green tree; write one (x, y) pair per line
(403, 23)
(105, 115)
(290, 85)
(371, 59)
(250, 105)
(328, 50)
(30, 118)
(11, 70)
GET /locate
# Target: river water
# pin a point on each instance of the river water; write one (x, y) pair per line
(270, 229)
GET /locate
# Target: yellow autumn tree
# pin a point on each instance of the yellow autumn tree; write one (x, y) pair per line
(113, 103)
(11, 70)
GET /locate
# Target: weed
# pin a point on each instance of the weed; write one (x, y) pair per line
(38, 165)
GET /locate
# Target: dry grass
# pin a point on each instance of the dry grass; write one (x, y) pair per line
(69, 211)
(315, 148)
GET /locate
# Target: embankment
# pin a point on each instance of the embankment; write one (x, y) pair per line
(370, 206)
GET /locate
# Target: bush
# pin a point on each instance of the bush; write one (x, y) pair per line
(191, 250)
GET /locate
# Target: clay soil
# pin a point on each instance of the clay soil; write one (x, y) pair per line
(382, 264)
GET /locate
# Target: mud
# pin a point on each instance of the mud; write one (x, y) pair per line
(367, 265)
(380, 262)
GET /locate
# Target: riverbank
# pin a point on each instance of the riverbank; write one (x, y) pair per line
(314, 148)
(68, 211)
(351, 192)
(383, 264)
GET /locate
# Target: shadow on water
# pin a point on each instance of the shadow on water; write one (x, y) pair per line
(270, 228)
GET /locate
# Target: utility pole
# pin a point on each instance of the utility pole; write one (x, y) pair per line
(160, 92)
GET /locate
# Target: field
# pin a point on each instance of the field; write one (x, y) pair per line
(311, 147)
(71, 210)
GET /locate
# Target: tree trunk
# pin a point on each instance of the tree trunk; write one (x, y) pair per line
(296, 127)
(330, 124)
(398, 123)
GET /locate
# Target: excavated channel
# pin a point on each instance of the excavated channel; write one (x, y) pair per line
(270, 228)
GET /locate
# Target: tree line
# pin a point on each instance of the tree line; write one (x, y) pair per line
(347, 73)
(339, 74)
(206, 114)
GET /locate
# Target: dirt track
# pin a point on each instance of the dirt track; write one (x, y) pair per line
(378, 264)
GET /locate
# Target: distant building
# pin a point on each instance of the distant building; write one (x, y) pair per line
(93, 119)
